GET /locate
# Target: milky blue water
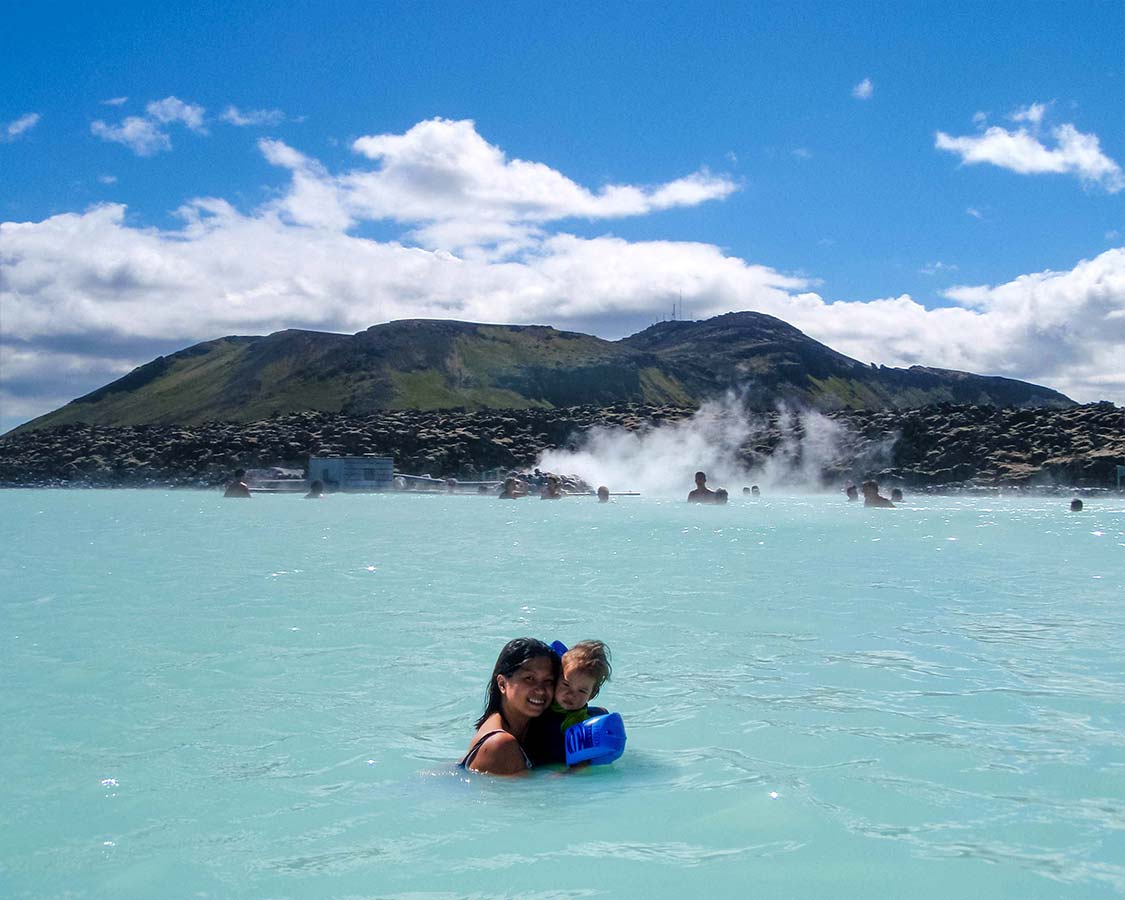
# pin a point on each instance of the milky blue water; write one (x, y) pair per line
(209, 698)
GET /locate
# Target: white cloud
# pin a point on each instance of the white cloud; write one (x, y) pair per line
(224, 270)
(1022, 151)
(934, 268)
(115, 101)
(280, 154)
(144, 134)
(980, 118)
(802, 153)
(107, 292)
(1032, 113)
(140, 135)
(9, 131)
(1061, 329)
(974, 212)
(864, 90)
(107, 179)
(457, 191)
(235, 116)
(313, 198)
(443, 173)
(173, 109)
(690, 191)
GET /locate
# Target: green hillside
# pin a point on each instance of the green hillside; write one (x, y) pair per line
(433, 364)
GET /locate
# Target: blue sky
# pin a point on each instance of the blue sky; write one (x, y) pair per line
(931, 184)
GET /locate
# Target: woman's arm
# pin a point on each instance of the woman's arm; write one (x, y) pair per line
(499, 755)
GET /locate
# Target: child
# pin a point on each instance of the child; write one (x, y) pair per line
(585, 668)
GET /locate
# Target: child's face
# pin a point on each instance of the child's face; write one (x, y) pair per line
(574, 688)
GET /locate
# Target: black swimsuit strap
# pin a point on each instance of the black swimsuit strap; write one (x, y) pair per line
(471, 755)
(473, 749)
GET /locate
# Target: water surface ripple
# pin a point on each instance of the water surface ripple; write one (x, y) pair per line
(208, 698)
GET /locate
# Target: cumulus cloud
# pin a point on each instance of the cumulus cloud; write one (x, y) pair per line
(1032, 113)
(864, 90)
(1022, 150)
(459, 190)
(1062, 329)
(173, 109)
(223, 270)
(242, 118)
(313, 198)
(140, 135)
(108, 293)
(9, 131)
(144, 135)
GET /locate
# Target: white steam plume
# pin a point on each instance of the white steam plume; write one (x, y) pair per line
(662, 460)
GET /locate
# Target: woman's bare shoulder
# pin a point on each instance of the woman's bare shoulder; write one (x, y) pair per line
(500, 754)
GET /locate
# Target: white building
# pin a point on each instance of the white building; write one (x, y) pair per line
(353, 473)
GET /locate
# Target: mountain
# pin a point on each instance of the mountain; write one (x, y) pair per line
(437, 364)
(770, 360)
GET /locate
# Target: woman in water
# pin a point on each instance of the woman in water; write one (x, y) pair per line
(521, 689)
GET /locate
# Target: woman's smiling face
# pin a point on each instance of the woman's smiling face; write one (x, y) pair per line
(530, 689)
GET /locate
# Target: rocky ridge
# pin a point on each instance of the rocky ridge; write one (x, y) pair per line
(941, 446)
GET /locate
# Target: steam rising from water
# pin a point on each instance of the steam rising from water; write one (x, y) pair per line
(811, 451)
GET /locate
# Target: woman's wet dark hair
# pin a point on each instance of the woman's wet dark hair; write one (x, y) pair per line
(516, 653)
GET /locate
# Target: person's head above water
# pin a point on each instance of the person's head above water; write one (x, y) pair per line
(721, 496)
(512, 488)
(872, 497)
(603, 494)
(701, 493)
(585, 668)
(238, 487)
(852, 492)
(523, 681)
(896, 495)
(1076, 505)
(755, 490)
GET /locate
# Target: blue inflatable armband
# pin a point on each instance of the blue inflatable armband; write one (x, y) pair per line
(600, 740)
(559, 647)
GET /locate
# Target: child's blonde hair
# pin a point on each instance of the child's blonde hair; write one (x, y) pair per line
(591, 657)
